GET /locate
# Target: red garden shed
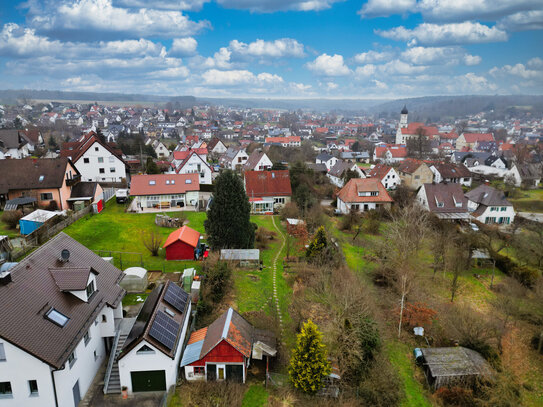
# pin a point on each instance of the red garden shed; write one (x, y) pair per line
(181, 243)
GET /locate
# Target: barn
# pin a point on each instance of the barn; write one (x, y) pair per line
(223, 350)
(181, 244)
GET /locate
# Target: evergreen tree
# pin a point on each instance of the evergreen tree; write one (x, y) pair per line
(309, 364)
(151, 167)
(228, 222)
(318, 244)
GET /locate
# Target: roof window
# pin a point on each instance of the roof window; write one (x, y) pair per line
(172, 181)
(56, 317)
(152, 182)
(42, 177)
(188, 181)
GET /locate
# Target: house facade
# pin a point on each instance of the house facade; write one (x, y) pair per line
(469, 141)
(362, 195)
(268, 191)
(414, 173)
(195, 164)
(388, 175)
(340, 169)
(286, 141)
(74, 305)
(489, 205)
(328, 160)
(234, 158)
(451, 173)
(389, 153)
(446, 201)
(258, 161)
(164, 191)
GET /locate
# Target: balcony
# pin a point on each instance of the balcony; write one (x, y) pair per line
(72, 181)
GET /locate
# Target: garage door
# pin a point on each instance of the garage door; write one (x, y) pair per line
(234, 373)
(150, 380)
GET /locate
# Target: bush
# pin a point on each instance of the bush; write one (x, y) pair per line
(217, 280)
(525, 275)
(456, 396)
(52, 206)
(381, 386)
(290, 210)
(11, 218)
(262, 237)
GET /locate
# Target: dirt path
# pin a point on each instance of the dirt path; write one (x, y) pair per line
(275, 259)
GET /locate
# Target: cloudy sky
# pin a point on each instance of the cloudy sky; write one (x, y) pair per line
(274, 48)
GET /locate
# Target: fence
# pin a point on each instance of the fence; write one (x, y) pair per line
(123, 260)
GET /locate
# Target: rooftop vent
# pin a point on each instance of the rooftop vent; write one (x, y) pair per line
(64, 255)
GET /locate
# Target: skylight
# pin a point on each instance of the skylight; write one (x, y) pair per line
(42, 177)
(188, 181)
(152, 182)
(56, 317)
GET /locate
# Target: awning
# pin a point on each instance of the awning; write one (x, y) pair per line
(12, 204)
(453, 215)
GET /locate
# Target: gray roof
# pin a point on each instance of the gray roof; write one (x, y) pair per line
(34, 291)
(488, 196)
(447, 195)
(455, 361)
(340, 167)
(240, 254)
(324, 156)
(10, 138)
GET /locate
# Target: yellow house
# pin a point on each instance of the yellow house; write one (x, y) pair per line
(414, 173)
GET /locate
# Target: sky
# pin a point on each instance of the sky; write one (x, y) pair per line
(363, 49)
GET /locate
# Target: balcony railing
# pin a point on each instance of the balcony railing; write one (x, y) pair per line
(74, 180)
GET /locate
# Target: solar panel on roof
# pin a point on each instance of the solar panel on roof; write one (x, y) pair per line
(176, 297)
(164, 330)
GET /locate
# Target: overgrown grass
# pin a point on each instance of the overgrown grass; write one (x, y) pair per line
(529, 201)
(6, 231)
(134, 299)
(256, 396)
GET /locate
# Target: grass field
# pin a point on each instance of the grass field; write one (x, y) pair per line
(529, 201)
(256, 396)
(6, 231)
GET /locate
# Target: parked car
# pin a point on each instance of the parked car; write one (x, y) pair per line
(121, 195)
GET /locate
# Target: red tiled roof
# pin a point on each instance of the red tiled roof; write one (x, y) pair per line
(290, 139)
(140, 184)
(267, 183)
(184, 234)
(379, 171)
(412, 128)
(397, 150)
(478, 137)
(77, 149)
(409, 165)
(349, 193)
(197, 336)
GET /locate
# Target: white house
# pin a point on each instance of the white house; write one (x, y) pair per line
(451, 173)
(234, 158)
(194, 163)
(160, 149)
(59, 307)
(96, 160)
(149, 358)
(338, 171)
(328, 160)
(388, 175)
(164, 191)
(489, 205)
(258, 161)
(362, 195)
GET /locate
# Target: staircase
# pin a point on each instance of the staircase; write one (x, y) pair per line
(112, 381)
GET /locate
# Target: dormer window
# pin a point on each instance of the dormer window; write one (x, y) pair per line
(56, 317)
(90, 289)
(440, 204)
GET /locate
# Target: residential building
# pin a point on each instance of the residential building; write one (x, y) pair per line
(150, 356)
(469, 141)
(193, 163)
(451, 173)
(268, 190)
(60, 309)
(224, 349)
(234, 158)
(328, 160)
(489, 205)
(13, 145)
(388, 175)
(446, 201)
(286, 141)
(362, 195)
(48, 181)
(527, 175)
(389, 153)
(161, 150)
(216, 146)
(96, 160)
(258, 161)
(414, 173)
(164, 191)
(338, 172)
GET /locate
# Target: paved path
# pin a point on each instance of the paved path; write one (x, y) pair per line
(275, 259)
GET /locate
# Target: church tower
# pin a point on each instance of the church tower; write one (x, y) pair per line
(403, 118)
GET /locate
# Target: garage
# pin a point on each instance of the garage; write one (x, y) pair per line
(149, 380)
(234, 373)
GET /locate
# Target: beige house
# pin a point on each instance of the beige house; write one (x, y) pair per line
(414, 173)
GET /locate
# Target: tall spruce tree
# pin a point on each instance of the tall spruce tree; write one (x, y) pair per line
(309, 363)
(228, 224)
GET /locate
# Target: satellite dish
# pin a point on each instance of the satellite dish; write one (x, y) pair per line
(65, 255)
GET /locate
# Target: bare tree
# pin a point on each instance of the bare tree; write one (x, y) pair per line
(152, 240)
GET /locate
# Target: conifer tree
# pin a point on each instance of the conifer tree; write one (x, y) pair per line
(318, 243)
(309, 364)
(228, 224)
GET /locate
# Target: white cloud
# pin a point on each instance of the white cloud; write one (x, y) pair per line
(331, 85)
(23, 42)
(397, 67)
(446, 34)
(329, 65)
(526, 20)
(189, 5)
(177, 72)
(267, 6)
(91, 18)
(214, 77)
(519, 70)
(380, 8)
(366, 70)
(221, 59)
(470, 83)
(379, 84)
(439, 56)
(535, 63)
(283, 47)
(372, 56)
(183, 46)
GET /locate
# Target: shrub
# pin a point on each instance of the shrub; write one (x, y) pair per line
(290, 210)
(525, 275)
(52, 206)
(381, 386)
(218, 280)
(11, 218)
(456, 396)
(262, 237)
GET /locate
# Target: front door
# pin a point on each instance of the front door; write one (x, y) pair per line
(150, 380)
(221, 370)
(76, 393)
(211, 372)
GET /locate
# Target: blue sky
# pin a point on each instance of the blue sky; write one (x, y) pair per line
(274, 48)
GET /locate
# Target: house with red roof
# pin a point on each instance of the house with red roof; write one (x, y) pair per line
(181, 244)
(154, 192)
(97, 160)
(389, 153)
(469, 141)
(414, 173)
(267, 190)
(190, 162)
(224, 349)
(388, 175)
(403, 134)
(362, 195)
(285, 141)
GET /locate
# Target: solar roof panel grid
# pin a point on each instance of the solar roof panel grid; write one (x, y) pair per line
(176, 297)
(164, 330)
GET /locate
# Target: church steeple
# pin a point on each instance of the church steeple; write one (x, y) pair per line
(404, 110)
(403, 118)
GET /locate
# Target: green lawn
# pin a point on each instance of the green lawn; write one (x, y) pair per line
(256, 396)
(4, 230)
(118, 231)
(529, 201)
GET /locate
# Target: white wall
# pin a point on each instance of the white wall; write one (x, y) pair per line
(345, 207)
(191, 166)
(134, 362)
(91, 171)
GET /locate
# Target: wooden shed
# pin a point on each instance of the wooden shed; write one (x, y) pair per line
(181, 244)
(454, 366)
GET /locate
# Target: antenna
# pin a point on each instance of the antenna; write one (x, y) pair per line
(65, 255)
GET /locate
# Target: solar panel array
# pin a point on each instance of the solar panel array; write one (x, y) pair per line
(164, 330)
(176, 297)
